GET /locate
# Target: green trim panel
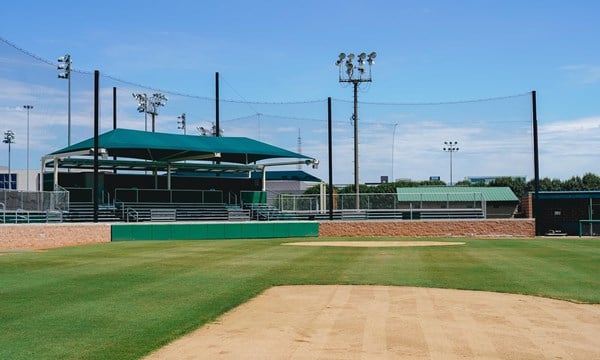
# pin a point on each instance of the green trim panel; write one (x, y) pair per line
(214, 231)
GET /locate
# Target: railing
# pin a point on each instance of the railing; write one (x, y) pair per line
(132, 213)
(61, 200)
(149, 211)
(168, 196)
(54, 216)
(127, 213)
(387, 205)
(233, 195)
(22, 215)
(589, 228)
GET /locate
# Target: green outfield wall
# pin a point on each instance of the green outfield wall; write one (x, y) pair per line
(213, 230)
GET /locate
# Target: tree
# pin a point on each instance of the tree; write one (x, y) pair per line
(517, 185)
(591, 181)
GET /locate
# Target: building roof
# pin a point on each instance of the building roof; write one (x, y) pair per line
(271, 175)
(455, 193)
(293, 175)
(581, 194)
(135, 144)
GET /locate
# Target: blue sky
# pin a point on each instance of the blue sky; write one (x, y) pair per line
(276, 51)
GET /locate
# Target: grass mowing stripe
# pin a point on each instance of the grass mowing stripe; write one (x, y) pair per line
(542, 271)
(123, 300)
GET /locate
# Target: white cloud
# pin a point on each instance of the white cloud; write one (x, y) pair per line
(571, 126)
(584, 74)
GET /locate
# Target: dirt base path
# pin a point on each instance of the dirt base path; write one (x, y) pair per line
(379, 322)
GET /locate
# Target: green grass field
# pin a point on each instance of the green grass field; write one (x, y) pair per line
(123, 300)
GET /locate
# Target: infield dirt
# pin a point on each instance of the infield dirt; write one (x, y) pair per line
(379, 322)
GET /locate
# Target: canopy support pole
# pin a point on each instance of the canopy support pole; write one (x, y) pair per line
(169, 176)
(55, 172)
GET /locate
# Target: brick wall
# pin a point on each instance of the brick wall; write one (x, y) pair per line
(431, 228)
(527, 205)
(44, 236)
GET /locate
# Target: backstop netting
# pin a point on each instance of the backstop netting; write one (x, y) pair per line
(396, 140)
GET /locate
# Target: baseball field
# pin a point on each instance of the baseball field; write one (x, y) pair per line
(126, 300)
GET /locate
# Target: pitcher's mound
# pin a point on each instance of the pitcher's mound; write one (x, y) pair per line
(379, 322)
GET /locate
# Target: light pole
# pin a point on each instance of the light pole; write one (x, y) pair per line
(155, 101)
(149, 105)
(9, 138)
(142, 100)
(355, 77)
(65, 65)
(451, 147)
(393, 147)
(181, 123)
(27, 107)
(209, 132)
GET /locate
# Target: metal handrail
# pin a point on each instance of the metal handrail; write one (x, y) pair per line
(235, 198)
(24, 217)
(60, 214)
(135, 214)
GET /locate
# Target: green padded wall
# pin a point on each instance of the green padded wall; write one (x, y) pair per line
(213, 231)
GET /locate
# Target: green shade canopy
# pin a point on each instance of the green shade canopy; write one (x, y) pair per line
(135, 144)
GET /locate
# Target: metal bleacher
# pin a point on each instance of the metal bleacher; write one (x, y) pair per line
(149, 205)
(382, 214)
(146, 211)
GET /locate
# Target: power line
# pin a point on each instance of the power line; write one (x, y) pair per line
(438, 102)
(244, 101)
(238, 94)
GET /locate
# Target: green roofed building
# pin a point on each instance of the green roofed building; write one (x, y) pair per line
(455, 201)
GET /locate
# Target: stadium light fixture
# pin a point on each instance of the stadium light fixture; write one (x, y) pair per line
(451, 148)
(9, 138)
(181, 123)
(209, 132)
(349, 75)
(142, 100)
(64, 64)
(28, 108)
(155, 101)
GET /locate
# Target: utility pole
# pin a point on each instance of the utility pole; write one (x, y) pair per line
(27, 107)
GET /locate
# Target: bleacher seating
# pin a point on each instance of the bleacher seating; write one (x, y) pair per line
(84, 212)
(387, 214)
(140, 212)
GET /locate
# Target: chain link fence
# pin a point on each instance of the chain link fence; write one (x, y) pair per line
(34, 200)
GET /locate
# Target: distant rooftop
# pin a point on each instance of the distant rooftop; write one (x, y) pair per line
(455, 193)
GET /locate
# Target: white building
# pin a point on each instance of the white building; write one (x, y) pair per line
(19, 179)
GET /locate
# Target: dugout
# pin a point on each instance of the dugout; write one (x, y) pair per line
(143, 166)
(559, 212)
